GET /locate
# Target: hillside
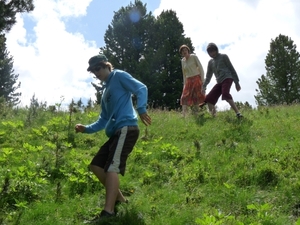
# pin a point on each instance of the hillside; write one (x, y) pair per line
(186, 171)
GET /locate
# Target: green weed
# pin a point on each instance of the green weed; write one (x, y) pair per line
(196, 170)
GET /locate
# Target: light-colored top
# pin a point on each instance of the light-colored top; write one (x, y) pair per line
(116, 103)
(191, 67)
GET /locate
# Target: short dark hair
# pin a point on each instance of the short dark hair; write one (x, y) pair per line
(211, 47)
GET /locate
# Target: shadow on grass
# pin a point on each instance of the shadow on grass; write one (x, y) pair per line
(124, 217)
(239, 129)
(200, 118)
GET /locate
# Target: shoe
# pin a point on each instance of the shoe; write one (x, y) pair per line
(106, 214)
(201, 105)
(239, 115)
(103, 215)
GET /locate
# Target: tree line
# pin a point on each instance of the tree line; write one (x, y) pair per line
(147, 47)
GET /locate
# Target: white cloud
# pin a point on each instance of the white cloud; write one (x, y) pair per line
(53, 62)
(244, 27)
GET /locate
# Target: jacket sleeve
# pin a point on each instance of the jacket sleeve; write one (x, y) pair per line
(138, 89)
(231, 68)
(98, 125)
(209, 74)
(200, 68)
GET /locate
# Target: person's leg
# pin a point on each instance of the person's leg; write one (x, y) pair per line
(120, 148)
(233, 106)
(212, 98)
(184, 110)
(212, 109)
(101, 175)
(112, 184)
(197, 97)
(111, 161)
(186, 96)
(196, 109)
(226, 85)
(98, 165)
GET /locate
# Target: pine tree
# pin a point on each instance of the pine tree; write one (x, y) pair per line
(147, 48)
(281, 83)
(127, 37)
(8, 80)
(9, 9)
(165, 39)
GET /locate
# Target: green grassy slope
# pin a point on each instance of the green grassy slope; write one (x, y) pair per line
(185, 171)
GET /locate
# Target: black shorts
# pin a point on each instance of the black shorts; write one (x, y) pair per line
(113, 154)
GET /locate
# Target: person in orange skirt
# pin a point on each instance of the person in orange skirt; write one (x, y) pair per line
(193, 78)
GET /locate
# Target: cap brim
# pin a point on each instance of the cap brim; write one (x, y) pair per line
(89, 68)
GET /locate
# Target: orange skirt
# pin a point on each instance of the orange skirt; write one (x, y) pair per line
(192, 91)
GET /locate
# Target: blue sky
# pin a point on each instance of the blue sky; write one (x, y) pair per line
(99, 15)
(94, 23)
(51, 45)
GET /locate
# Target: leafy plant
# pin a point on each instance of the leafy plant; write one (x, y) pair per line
(219, 171)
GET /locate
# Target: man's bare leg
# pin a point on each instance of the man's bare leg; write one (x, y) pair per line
(112, 184)
(233, 106)
(102, 176)
(212, 109)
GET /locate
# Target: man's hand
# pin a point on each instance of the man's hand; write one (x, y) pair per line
(146, 119)
(237, 87)
(79, 128)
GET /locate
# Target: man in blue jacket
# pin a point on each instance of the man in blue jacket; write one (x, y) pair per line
(119, 119)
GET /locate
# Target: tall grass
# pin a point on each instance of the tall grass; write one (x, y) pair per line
(196, 170)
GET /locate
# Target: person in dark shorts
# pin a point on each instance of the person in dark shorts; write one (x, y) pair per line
(225, 74)
(119, 120)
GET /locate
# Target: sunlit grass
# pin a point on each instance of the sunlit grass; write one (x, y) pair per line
(192, 170)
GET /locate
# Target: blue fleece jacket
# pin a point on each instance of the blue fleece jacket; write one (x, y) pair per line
(116, 103)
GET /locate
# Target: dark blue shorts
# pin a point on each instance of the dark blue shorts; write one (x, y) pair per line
(113, 154)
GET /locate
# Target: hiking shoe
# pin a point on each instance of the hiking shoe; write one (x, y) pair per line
(201, 105)
(239, 115)
(103, 215)
(106, 214)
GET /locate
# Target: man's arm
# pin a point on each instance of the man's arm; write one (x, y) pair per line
(209, 74)
(231, 68)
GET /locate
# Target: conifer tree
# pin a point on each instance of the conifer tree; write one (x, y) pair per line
(281, 83)
(9, 9)
(8, 80)
(127, 37)
(166, 37)
(147, 48)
